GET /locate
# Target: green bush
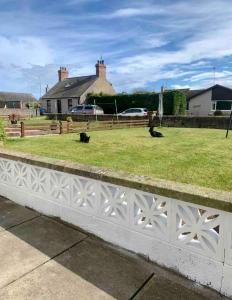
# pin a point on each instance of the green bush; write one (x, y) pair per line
(2, 131)
(174, 102)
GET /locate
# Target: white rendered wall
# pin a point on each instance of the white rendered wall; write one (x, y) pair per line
(191, 239)
(201, 105)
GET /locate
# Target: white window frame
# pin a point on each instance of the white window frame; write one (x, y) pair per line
(214, 106)
(70, 107)
(223, 110)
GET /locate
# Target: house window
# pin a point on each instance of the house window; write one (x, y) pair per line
(214, 105)
(224, 105)
(49, 110)
(13, 104)
(70, 104)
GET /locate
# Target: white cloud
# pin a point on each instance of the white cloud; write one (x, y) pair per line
(210, 76)
(153, 41)
(78, 2)
(179, 86)
(133, 12)
(23, 51)
(129, 34)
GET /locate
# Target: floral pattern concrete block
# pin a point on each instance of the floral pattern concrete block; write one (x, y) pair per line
(151, 214)
(198, 228)
(83, 194)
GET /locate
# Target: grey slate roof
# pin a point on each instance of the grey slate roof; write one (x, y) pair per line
(189, 93)
(192, 93)
(70, 87)
(219, 92)
(14, 97)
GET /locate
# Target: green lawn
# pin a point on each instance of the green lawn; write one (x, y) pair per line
(197, 156)
(37, 120)
(30, 121)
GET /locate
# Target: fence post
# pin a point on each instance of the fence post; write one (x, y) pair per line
(151, 115)
(68, 128)
(22, 130)
(61, 127)
(87, 125)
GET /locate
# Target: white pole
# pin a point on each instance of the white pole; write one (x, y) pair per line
(161, 107)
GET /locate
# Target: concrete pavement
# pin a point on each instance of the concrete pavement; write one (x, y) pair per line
(42, 258)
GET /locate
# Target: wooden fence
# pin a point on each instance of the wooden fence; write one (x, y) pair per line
(104, 125)
(60, 127)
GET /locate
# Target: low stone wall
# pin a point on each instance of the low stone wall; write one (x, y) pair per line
(193, 122)
(168, 121)
(178, 226)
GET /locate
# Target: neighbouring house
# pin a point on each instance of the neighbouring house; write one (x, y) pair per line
(206, 101)
(15, 100)
(69, 92)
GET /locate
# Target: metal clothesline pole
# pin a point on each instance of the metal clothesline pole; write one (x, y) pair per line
(116, 108)
(161, 108)
(229, 126)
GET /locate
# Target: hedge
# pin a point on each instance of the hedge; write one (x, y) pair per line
(2, 131)
(174, 102)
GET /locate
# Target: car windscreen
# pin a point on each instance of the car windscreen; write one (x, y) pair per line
(77, 108)
(89, 107)
(131, 110)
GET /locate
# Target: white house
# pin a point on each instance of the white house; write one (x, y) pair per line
(69, 92)
(207, 101)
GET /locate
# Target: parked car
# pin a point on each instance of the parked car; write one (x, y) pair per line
(42, 111)
(134, 112)
(87, 110)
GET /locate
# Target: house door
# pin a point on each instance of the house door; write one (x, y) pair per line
(59, 107)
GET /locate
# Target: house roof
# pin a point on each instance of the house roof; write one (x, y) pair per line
(70, 87)
(219, 92)
(187, 92)
(14, 97)
(192, 93)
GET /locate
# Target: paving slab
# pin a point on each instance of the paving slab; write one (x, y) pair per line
(42, 258)
(53, 281)
(27, 246)
(12, 214)
(90, 270)
(168, 288)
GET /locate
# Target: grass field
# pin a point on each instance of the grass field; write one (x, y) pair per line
(196, 156)
(37, 120)
(30, 121)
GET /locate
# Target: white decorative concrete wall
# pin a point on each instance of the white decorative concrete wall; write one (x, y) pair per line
(191, 239)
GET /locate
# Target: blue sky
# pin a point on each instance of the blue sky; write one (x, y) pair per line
(145, 43)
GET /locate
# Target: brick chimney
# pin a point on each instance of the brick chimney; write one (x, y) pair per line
(62, 73)
(101, 69)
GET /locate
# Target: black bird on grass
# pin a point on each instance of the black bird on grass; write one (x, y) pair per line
(154, 133)
(84, 138)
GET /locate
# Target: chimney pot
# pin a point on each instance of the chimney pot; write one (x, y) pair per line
(63, 73)
(101, 69)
